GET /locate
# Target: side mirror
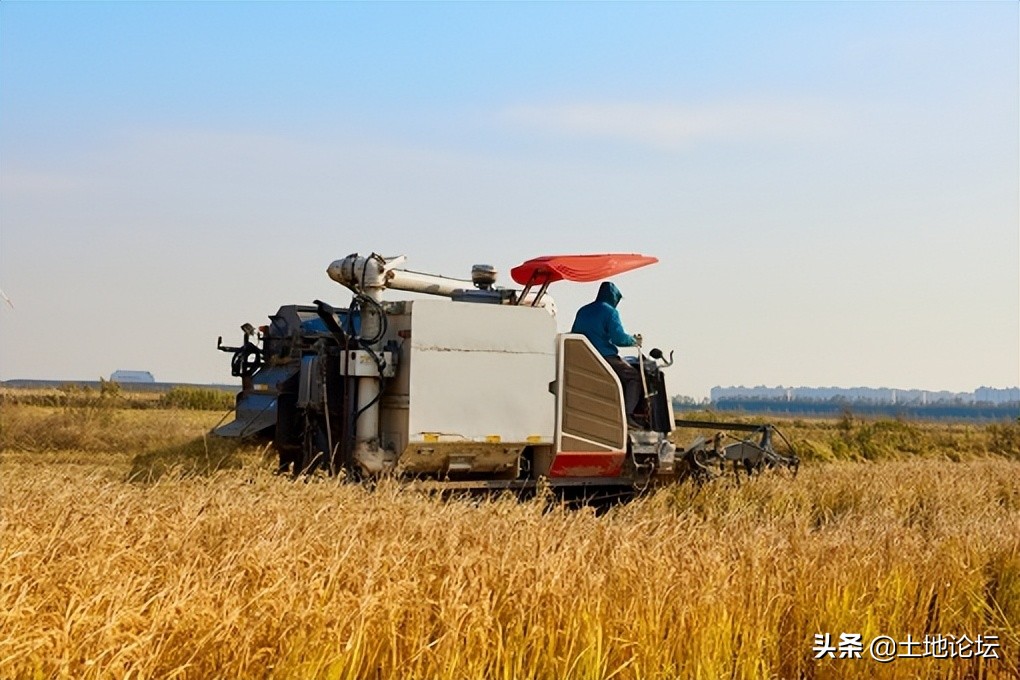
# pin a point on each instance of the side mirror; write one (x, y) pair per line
(657, 354)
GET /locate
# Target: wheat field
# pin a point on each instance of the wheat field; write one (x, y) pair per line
(212, 567)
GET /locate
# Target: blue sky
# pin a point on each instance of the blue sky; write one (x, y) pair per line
(831, 188)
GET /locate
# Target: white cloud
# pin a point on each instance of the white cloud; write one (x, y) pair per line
(671, 126)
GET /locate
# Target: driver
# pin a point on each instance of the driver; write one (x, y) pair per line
(599, 321)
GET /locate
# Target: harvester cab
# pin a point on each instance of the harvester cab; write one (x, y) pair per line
(472, 387)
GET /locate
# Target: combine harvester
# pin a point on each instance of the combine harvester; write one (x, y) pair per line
(475, 389)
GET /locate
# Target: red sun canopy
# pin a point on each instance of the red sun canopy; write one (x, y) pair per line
(582, 268)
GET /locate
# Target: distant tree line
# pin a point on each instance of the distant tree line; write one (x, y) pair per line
(878, 395)
(837, 406)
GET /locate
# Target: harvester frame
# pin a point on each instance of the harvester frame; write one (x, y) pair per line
(473, 390)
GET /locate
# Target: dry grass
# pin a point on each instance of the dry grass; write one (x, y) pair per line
(875, 439)
(240, 574)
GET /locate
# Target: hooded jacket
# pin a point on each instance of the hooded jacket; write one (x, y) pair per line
(600, 322)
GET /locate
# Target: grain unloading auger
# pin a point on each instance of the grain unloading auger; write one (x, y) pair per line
(472, 388)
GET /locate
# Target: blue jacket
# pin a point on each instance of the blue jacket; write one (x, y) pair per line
(600, 322)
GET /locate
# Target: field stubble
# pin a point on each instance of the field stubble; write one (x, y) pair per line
(237, 573)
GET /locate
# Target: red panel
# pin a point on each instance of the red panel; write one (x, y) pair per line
(587, 464)
(583, 268)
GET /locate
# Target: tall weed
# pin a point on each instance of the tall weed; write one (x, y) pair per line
(197, 398)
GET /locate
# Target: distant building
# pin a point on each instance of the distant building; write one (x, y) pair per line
(871, 395)
(992, 395)
(132, 377)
